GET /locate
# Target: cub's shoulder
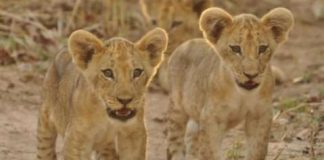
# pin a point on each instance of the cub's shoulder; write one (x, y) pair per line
(193, 51)
(61, 67)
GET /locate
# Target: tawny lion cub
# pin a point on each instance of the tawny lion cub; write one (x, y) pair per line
(94, 97)
(217, 84)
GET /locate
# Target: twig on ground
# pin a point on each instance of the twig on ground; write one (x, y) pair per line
(312, 139)
(279, 152)
(276, 116)
(289, 110)
(281, 149)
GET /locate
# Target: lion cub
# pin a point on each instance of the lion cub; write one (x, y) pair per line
(94, 97)
(179, 19)
(218, 83)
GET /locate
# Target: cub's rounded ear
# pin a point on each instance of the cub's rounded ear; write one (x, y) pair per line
(279, 21)
(154, 43)
(82, 46)
(213, 22)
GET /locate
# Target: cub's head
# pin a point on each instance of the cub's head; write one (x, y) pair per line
(246, 43)
(118, 70)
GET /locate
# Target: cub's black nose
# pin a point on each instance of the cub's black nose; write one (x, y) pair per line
(124, 101)
(251, 76)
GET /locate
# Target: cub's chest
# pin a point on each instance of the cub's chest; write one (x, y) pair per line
(233, 110)
(104, 137)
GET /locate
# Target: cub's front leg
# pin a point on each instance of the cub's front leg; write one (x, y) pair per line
(78, 142)
(257, 129)
(176, 128)
(211, 133)
(108, 152)
(132, 143)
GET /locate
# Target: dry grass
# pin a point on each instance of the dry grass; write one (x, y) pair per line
(39, 28)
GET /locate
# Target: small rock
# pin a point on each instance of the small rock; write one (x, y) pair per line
(283, 121)
(26, 78)
(302, 135)
(10, 85)
(5, 58)
(298, 80)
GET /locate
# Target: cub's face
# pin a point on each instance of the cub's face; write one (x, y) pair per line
(246, 43)
(118, 70)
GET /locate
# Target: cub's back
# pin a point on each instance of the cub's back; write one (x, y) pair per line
(58, 88)
(190, 68)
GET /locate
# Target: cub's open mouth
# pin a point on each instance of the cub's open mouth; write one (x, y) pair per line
(249, 85)
(122, 114)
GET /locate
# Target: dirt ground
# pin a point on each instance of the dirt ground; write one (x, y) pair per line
(298, 126)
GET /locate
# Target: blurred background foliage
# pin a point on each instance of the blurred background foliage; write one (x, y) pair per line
(37, 29)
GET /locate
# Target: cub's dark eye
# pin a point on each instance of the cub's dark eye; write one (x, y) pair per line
(262, 48)
(236, 49)
(108, 73)
(137, 72)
